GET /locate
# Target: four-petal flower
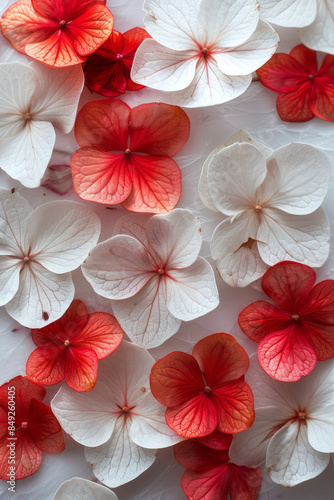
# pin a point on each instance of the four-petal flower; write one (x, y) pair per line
(152, 272)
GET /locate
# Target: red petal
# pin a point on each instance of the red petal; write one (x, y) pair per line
(245, 483)
(156, 184)
(261, 318)
(28, 457)
(55, 9)
(221, 358)
(282, 73)
(196, 457)
(286, 355)
(131, 40)
(103, 124)
(195, 418)
(102, 334)
(81, 368)
(217, 440)
(158, 129)
(44, 429)
(289, 284)
(25, 390)
(65, 328)
(46, 365)
(208, 485)
(235, 407)
(56, 51)
(306, 57)
(176, 378)
(101, 177)
(296, 106)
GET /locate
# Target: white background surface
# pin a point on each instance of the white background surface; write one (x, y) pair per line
(254, 112)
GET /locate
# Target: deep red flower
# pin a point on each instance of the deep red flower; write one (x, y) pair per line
(71, 347)
(297, 333)
(125, 154)
(205, 391)
(57, 32)
(36, 428)
(107, 71)
(211, 475)
(305, 91)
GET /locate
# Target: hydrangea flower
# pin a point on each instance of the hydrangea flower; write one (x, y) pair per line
(271, 201)
(304, 90)
(125, 154)
(153, 274)
(205, 392)
(71, 347)
(57, 32)
(315, 17)
(107, 70)
(299, 330)
(39, 249)
(293, 431)
(204, 51)
(36, 428)
(34, 100)
(121, 424)
(78, 488)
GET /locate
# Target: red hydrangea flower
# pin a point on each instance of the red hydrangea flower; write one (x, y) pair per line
(57, 32)
(71, 347)
(297, 333)
(305, 91)
(125, 154)
(205, 391)
(211, 475)
(107, 71)
(36, 428)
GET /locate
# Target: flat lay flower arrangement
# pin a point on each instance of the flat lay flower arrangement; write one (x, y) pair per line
(166, 277)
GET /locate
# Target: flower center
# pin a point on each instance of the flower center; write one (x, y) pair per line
(26, 258)
(230, 462)
(205, 51)
(27, 116)
(258, 208)
(295, 317)
(125, 409)
(24, 425)
(127, 151)
(119, 56)
(311, 77)
(67, 343)
(143, 389)
(62, 24)
(302, 415)
(161, 271)
(207, 388)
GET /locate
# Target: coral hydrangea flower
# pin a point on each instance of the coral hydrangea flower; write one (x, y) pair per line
(298, 331)
(121, 424)
(107, 71)
(315, 17)
(152, 272)
(305, 91)
(271, 206)
(205, 391)
(211, 475)
(293, 431)
(36, 428)
(125, 154)
(71, 347)
(57, 32)
(204, 51)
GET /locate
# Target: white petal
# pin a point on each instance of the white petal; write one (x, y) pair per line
(320, 34)
(119, 460)
(78, 488)
(89, 418)
(118, 268)
(291, 184)
(289, 13)
(191, 292)
(210, 87)
(290, 457)
(250, 55)
(234, 175)
(17, 86)
(173, 23)
(175, 238)
(9, 278)
(14, 212)
(42, 297)
(249, 448)
(301, 238)
(228, 23)
(316, 390)
(145, 317)
(26, 149)
(148, 428)
(161, 68)
(57, 95)
(133, 225)
(234, 247)
(62, 233)
(320, 429)
(239, 136)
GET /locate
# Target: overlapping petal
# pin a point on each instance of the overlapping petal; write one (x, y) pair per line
(289, 13)
(88, 490)
(319, 34)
